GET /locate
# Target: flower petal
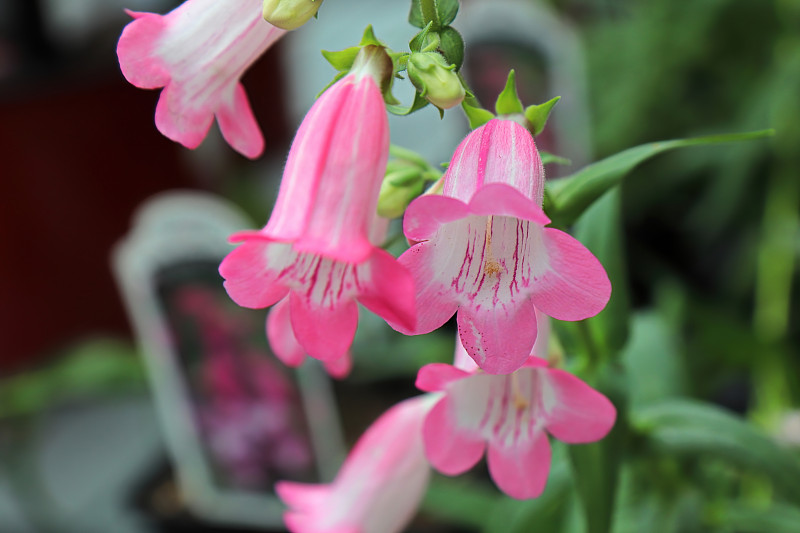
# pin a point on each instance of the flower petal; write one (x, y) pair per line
(450, 449)
(426, 214)
(250, 278)
(281, 337)
(570, 284)
(436, 376)
(238, 125)
(521, 470)
(498, 338)
(577, 413)
(434, 301)
(503, 200)
(388, 290)
(140, 66)
(179, 121)
(324, 332)
(339, 368)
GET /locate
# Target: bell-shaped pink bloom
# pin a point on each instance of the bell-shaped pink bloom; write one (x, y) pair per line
(317, 245)
(197, 53)
(380, 485)
(482, 250)
(285, 346)
(512, 415)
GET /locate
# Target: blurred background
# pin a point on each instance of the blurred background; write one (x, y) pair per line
(711, 234)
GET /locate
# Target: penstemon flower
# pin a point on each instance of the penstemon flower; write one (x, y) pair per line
(482, 250)
(197, 53)
(380, 484)
(316, 247)
(511, 415)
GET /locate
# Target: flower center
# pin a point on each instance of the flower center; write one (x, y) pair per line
(491, 266)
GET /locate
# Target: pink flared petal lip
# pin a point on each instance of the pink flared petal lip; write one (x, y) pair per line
(573, 284)
(281, 337)
(249, 280)
(238, 125)
(325, 333)
(389, 290)
(302, 496)
(427, 214)
(339, 368)
(449, 449)
(435, 303)
(499, 338)
(580, 414)
(500, 199)
(436, 376)
(180, 119)
(140, 66)
(521, 469)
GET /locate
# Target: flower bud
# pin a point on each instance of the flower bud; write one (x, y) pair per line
(403, 183)
(435, 80)
(290, 14)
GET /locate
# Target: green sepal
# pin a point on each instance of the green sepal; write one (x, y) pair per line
(537, 115)
(343, 59)
(548, 158)
(418, 103)
(421, 40)
(440, 12)
(508, 102)
(452, 46)
(369, 38)
(477, 116)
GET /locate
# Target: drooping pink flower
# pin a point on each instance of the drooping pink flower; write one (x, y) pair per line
(482, 250)
(379, 486)
(511, 415)
(317, 245)
(197, 53)
(286, 347)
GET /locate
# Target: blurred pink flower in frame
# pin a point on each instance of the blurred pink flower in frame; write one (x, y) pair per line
(319, 247)
(380, 485)
(482, 250)
(198, 52)
(510, 415)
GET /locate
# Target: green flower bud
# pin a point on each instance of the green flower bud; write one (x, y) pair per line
(435, 79)
(290, 14)
(403, 182)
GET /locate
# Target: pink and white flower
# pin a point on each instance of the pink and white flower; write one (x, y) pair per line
(317, 246)
(380, 485)
(482, 250)
(198, 52)
(510, 415)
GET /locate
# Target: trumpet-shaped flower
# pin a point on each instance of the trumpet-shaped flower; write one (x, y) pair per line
(285, 346)
(379, 486)
(316, 247)
(197, 53)
(511, 415)
(482, 250)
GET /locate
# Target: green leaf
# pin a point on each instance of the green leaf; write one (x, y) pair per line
(600, 229)
(778, 518)
(568, 197)
(697, 429)
(477, 116)
(508, 102)
(548, 158)
(537, 115)
(447, 11)
(452, 46)
(418, 103)
(415, 17)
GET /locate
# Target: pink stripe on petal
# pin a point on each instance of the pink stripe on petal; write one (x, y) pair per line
(325, 333)
(436, 376)
(579, 413)
(571, 284)
(281, 337)
(521, 471)
(498, 338)
(249, 279)
(388, 290)
(238, 125)
(447, 447)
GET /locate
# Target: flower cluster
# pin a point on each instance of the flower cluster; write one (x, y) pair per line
(480, 249)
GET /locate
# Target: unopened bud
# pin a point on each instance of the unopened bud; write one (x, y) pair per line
(403, 182)
(290, 14)
(435, 80)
